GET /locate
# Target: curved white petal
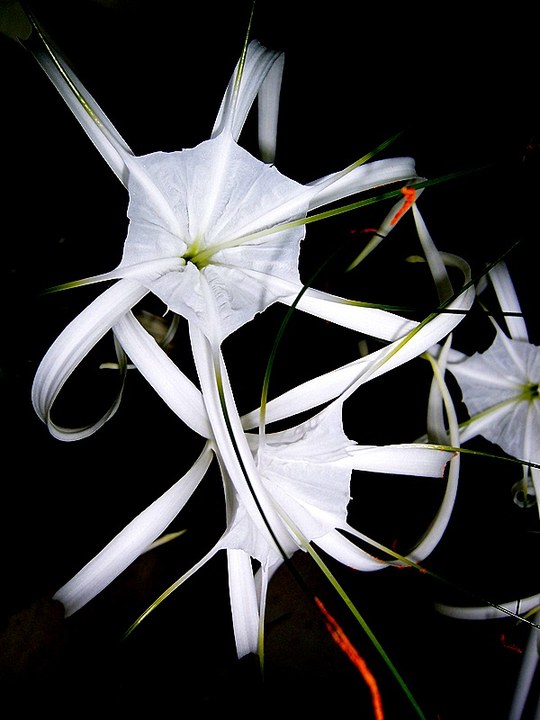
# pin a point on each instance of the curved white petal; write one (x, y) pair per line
(378, 323)
(405, 459)
(72, 346)
(508, 300)
(433, 257)
(258, 72)
(95, 123)
(133, 540)
(346, 552)
(438, 392)
(180, 394)
(438, 526)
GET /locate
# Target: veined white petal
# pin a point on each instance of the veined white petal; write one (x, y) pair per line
(500, 373)
(489, 378)
(479, 424)
(505, 425)
(75, 342)
(133, 540)
(180, 394)
(524, 356)
(281, 216)
(143, 189)
(244, 606)
(303, 474)
(509, 433)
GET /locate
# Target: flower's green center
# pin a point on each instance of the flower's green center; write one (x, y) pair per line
(531, 391)
(194, 254)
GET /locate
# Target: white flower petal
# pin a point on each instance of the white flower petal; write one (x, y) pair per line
(510, 431)
(180, 394)
(95, 123)
(441, 396)
(133, 540)
(481, 423)
(260, 74)
(369, 321)
(302, 471)
(489, 378)
(244, 607)
(406, 459)
(356, 179)
(268, 110)
(74, 343)
(508, 300)
(436, 428)
(433, 257)
(346, 552)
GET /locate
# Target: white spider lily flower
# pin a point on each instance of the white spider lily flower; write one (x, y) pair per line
(500, 391)
(213, 232)
(214, 214)
(283, 490)
(500, 387)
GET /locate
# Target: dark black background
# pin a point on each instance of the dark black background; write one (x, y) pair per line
(462, 90)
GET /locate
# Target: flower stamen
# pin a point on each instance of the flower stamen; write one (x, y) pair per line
(410, 197)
